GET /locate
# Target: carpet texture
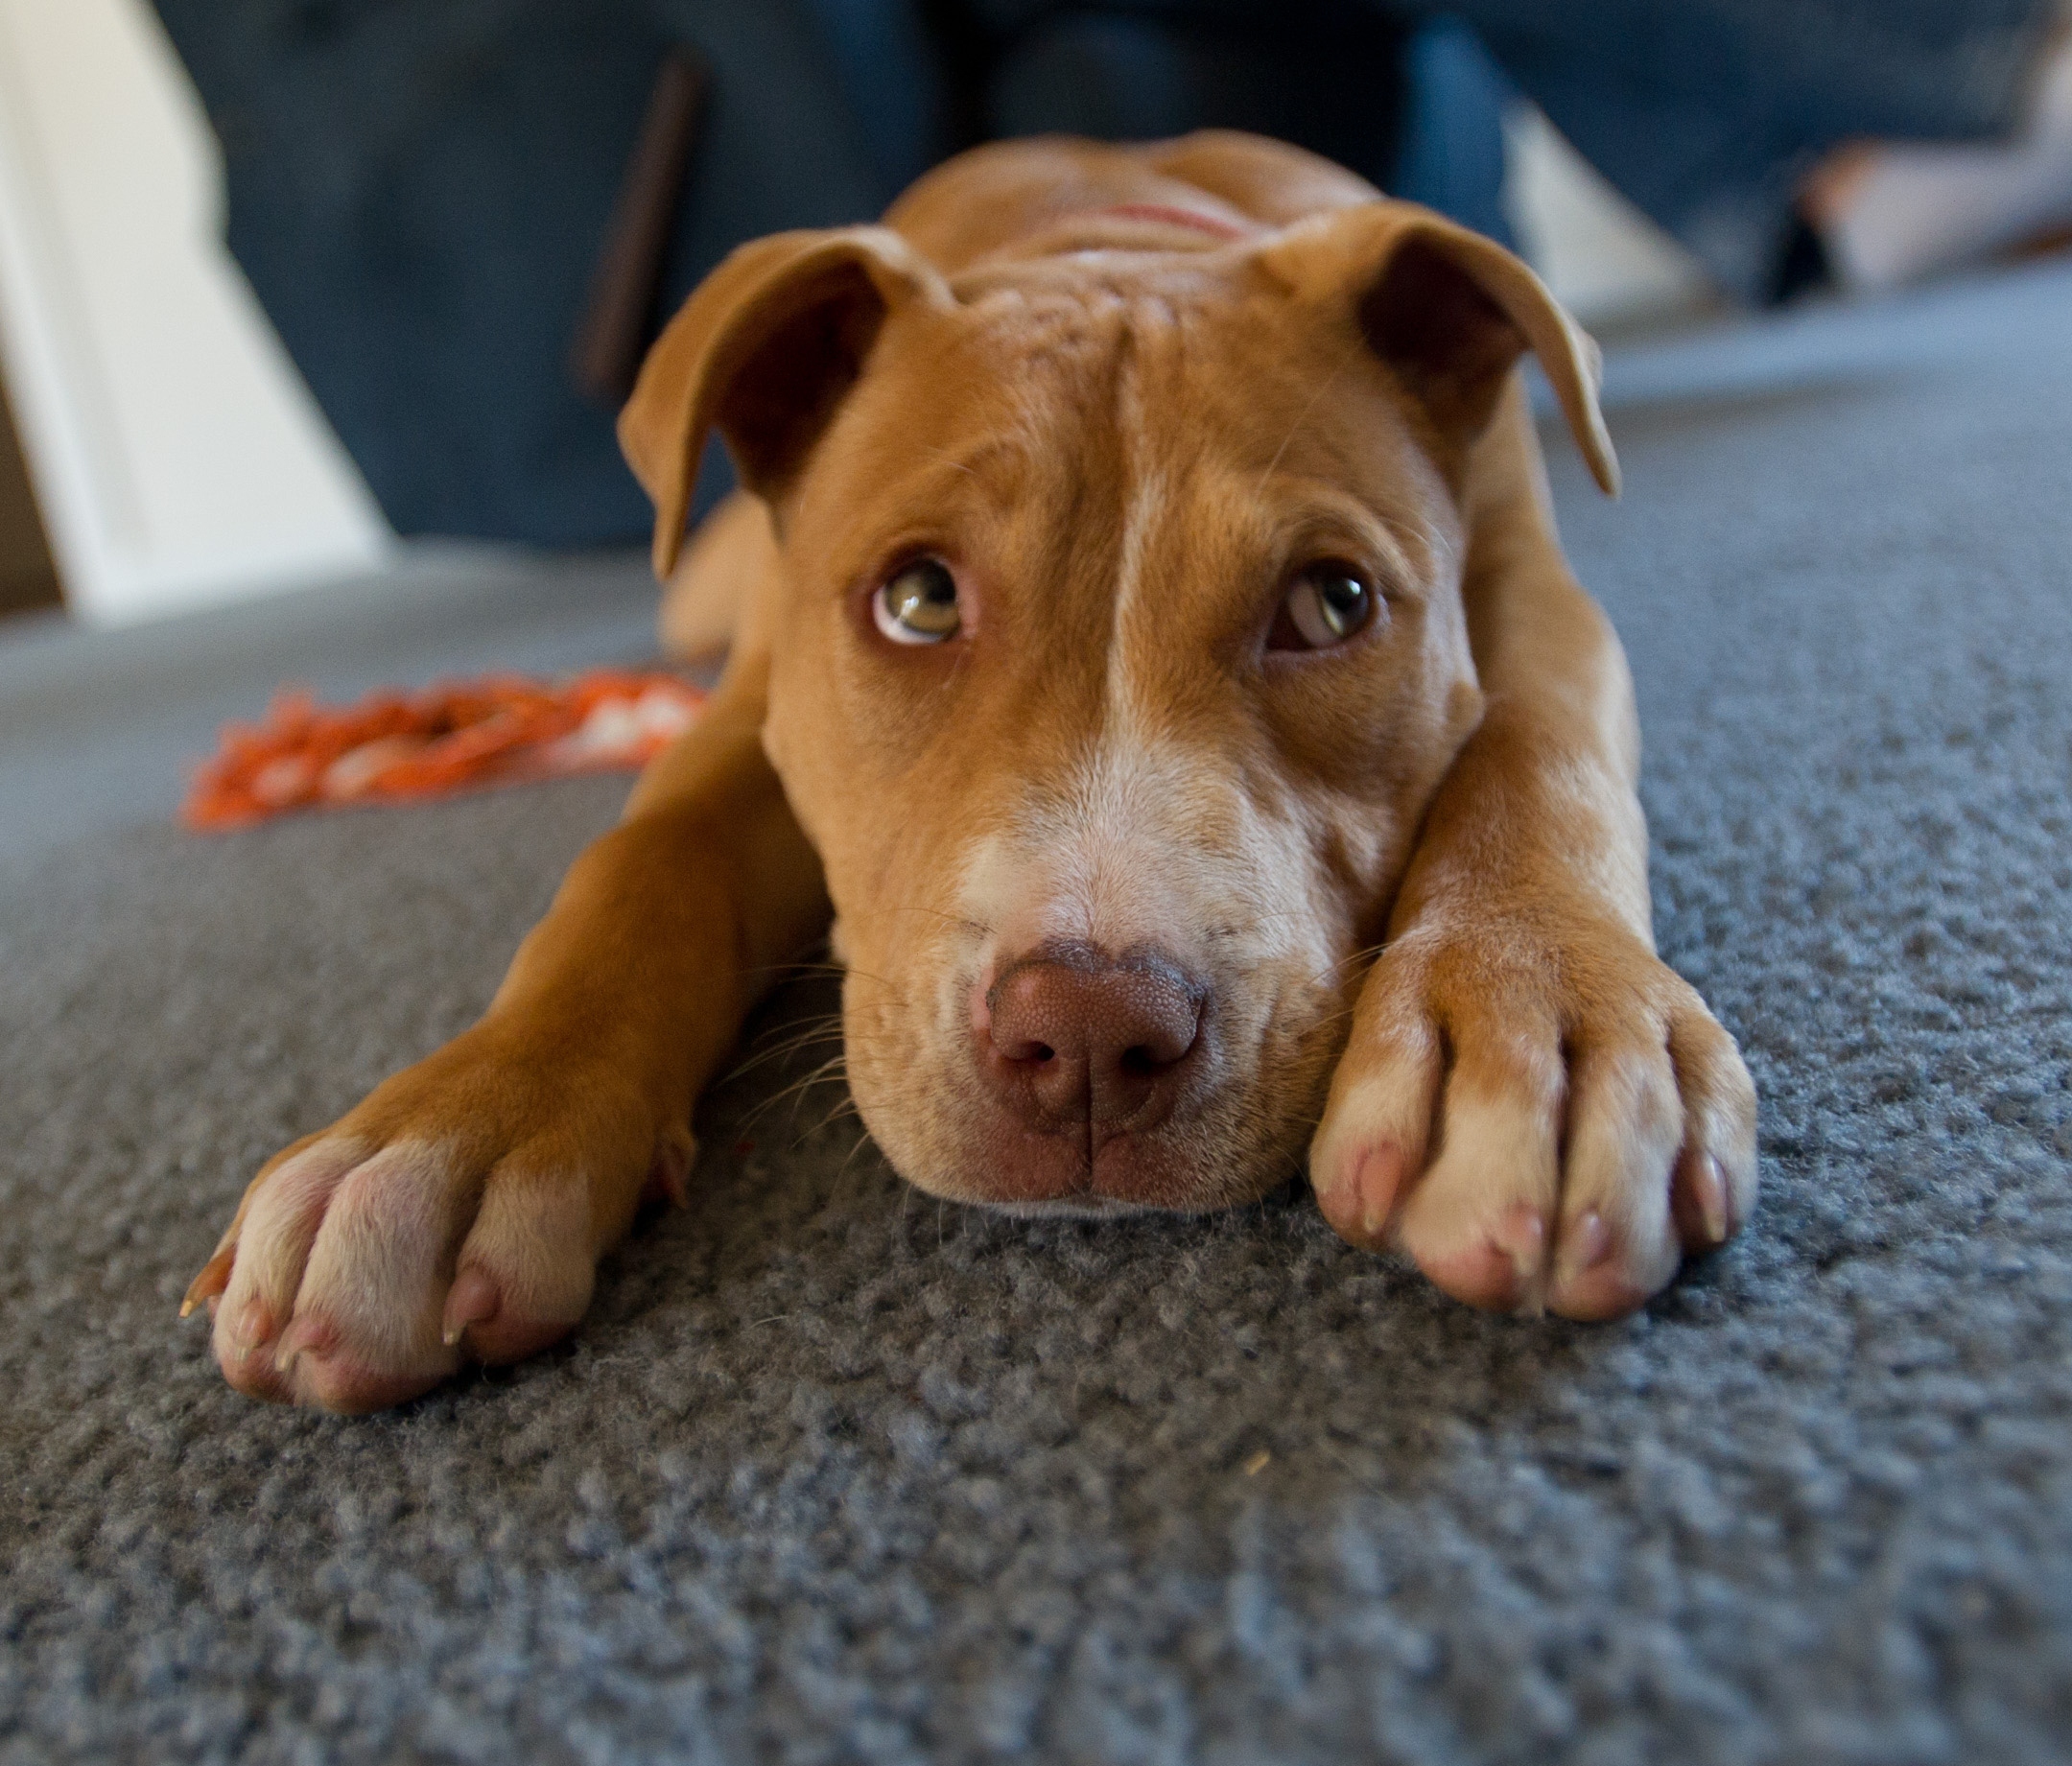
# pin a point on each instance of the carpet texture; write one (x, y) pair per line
(833, 1473)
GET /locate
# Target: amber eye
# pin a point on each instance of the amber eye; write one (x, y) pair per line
(1325, 604)
(918, 604)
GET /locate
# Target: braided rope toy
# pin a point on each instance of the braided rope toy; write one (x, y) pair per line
(452, 736)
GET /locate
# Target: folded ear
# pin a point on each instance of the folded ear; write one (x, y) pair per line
(1450, 312)
(764, 351)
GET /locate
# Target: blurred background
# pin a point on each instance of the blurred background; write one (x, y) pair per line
(290, 287)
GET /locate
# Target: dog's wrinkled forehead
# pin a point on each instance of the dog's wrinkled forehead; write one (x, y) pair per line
(1043, 384)
(772, 343)
(1148, 421)
(1034, 379)
(1145, 342)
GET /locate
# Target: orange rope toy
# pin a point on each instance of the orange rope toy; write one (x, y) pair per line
(455, 735)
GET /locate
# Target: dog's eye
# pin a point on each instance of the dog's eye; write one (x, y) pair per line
(919, 605)
(1326, 605)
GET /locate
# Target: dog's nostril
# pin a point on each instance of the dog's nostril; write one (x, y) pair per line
(1074, 1034)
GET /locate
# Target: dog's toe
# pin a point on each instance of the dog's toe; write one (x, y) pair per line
(1498, 1265)
(525, 1272)
(1624, 1121)
(359, 1275)
(1713, 1189)
(1480, 1221)
(270, 1247)
(1545, 1152)
(459, 1212)
(365, 1327)
(1373, 1135)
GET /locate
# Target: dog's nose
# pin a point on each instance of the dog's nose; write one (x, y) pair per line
(1081, 1039)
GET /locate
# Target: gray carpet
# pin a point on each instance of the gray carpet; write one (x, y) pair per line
(97, 732)
(833, 1473)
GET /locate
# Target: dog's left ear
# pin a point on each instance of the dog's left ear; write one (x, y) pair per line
(764, 351)
(1450, 311)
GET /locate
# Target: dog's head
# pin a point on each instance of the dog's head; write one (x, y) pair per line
(1120, 648)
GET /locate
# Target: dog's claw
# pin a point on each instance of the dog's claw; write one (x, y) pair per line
(669, 1177)
(251, 1325)
(1361, 1198)
(214, 1278)
(1712, 1199)
(1521, 1235)
(303, 1333)
(1585, 1244)
(472, 1300)
(1699, 1200)
(1378, 1177)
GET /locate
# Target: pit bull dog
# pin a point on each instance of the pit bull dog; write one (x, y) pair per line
(1153, 668)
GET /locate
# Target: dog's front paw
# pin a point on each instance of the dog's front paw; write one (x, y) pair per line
(460, 1210)
(1540, 1118)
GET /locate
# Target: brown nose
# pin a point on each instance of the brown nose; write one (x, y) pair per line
(1082, 1040)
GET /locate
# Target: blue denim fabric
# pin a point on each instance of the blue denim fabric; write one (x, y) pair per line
(1415, 108)
(419, 192)
(1449, 153)
(1707, 113)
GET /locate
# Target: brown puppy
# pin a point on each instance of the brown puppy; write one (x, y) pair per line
(1144, 610)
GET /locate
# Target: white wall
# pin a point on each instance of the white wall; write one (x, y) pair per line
(1604, 260)
(178, 459)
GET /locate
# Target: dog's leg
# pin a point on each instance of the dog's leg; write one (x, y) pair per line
(702, 603)
(1531, 1104)
(460, 1208)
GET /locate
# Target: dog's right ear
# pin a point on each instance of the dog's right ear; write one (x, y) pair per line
(764, 351)
(1450, 311)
